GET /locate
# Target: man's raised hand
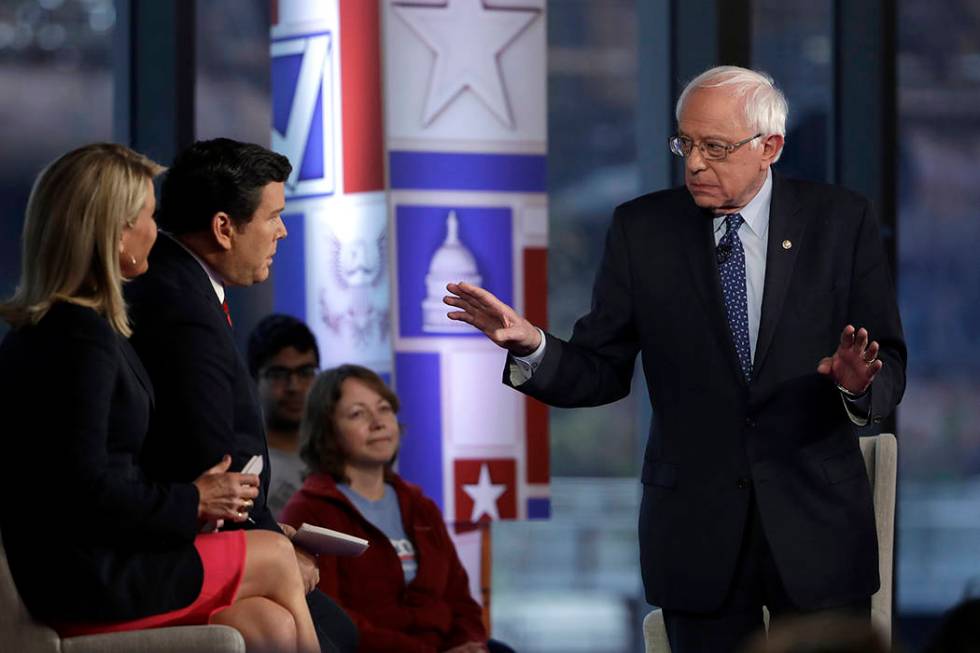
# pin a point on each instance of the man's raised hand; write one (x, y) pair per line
(855, 363)
(498, 321)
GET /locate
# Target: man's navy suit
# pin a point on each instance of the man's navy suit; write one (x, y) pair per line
(206, 402)
(715, 439)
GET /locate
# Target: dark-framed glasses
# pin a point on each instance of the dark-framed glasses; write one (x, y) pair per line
(280, 375)
(710, 149)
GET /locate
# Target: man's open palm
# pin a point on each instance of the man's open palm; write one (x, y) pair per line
(498, 321)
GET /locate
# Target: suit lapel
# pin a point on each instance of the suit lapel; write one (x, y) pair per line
(700, 250)
(194, 275)
(787, 225)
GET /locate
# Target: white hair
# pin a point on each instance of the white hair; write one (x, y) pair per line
(764, 106)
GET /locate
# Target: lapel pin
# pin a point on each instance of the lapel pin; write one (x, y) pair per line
(787, 244)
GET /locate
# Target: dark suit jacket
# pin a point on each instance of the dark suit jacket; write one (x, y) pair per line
(715, 438)
(88, 537)
(206, 404)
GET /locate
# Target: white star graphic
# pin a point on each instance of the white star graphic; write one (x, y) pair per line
(467, 39)
(484, 495)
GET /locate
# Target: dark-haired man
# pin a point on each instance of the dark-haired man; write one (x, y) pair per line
(220, 209)
(283, 359)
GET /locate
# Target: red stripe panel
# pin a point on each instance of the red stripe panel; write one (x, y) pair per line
(538, 455)
(273, 12)
(536, 286)
(360, 83)
(536, 310)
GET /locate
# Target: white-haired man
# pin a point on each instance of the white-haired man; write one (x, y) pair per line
(754, 300)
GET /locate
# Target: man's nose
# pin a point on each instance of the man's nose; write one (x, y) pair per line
(695, 161)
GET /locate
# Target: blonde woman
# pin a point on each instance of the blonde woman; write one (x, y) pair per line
(94, 545)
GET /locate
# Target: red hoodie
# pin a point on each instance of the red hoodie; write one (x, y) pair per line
(433, 613)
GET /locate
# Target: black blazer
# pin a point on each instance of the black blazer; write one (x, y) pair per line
(206, 403)
(714, 437)
(88, 537)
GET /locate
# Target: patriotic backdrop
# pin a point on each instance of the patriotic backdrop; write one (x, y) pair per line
(332, 270)
(450, 185)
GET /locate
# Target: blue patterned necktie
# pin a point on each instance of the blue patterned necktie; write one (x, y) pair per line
(731, 265)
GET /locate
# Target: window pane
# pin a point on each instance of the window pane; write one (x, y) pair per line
(232, 84)
(592, 167)
(56, 81)
(791, 40)
(939, 294)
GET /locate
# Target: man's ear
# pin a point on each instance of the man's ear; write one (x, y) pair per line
(772, 145)
(223, 229)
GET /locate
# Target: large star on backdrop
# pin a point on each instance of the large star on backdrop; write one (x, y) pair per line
(484, 495)
(467, 39)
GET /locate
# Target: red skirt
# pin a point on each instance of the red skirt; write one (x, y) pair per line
(223, 558)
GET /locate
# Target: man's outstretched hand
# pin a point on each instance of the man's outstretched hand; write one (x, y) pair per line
(498, 321)
(855, 363)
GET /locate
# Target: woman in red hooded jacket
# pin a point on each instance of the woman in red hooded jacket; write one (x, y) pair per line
(408, 592)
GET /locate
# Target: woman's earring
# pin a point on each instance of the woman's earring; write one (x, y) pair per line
(132, 260)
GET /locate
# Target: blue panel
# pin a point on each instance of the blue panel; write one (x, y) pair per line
(289, 269)
(285, 75)
(538, 508)
(485, 231)
(420, 456)
(312, 166)
(522, 173)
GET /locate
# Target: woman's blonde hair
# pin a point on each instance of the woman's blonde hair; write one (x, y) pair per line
(75, 218)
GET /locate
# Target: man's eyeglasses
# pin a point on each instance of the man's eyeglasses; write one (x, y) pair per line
(280, 375)
(711, 150)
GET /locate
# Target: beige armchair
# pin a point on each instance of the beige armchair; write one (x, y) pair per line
(20, 632)
(881, 459)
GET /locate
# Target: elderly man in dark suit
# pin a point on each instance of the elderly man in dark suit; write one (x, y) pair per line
(753, 300)
(221, 205)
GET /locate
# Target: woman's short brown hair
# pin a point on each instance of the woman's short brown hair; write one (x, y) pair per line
(319, 441)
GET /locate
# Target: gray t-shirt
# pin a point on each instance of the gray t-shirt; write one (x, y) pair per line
(386, 515)
(285, 478)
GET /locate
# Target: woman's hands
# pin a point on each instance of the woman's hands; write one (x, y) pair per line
(224, 494)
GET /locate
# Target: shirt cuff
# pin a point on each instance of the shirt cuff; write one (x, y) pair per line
(522, 368)
(858, 407)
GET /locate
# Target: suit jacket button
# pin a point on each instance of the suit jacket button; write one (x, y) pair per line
(876, 419)
(749, 422)
(742, 483)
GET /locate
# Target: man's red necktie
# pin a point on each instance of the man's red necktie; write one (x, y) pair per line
(224, 307)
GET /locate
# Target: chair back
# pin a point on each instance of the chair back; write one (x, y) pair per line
(881, 460)
(18, 630)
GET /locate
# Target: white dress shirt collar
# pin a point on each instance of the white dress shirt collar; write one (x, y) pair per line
(756, 212)
(213, 277)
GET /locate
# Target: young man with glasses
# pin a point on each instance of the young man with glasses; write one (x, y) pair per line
(283, 358)
(753, 299)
